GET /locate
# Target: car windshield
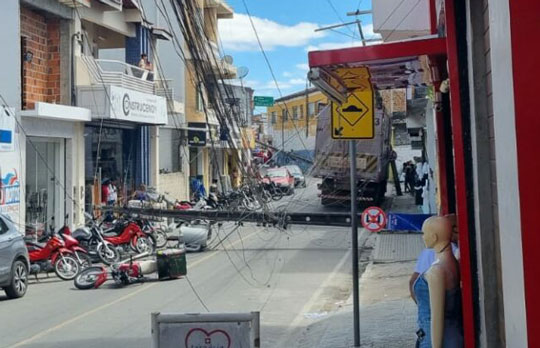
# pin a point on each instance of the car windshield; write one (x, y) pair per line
(275, 173)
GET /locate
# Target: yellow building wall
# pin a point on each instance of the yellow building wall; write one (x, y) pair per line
(192, 114)
(300, 123)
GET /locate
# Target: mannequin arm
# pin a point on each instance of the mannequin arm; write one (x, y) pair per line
(435, 280)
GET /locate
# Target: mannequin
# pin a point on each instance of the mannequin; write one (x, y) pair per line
(437, 290)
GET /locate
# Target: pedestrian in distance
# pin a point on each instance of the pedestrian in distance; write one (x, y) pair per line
(410, 177)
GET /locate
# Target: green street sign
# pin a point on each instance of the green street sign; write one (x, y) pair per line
(263, 101)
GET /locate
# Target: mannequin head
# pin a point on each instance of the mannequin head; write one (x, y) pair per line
(437, 232)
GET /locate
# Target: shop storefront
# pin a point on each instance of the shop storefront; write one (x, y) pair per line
(121, 140)
(52, 159)
(198, 156)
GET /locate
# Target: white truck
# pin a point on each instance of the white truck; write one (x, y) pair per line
(332, 163)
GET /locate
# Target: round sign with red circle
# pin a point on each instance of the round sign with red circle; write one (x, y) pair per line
(374, 219)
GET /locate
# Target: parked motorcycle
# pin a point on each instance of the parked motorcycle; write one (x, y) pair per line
(71, 243)
(273, 190)
(52, 256)
(127, 235)
(159, 234)
(90, 237)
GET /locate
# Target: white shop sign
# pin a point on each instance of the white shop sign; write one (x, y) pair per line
(208, 330)
(128, 105)
(10, 164)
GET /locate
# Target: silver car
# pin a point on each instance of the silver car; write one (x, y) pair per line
(14, 260)
(299, 179)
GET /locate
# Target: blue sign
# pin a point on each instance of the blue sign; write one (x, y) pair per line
(406, 222)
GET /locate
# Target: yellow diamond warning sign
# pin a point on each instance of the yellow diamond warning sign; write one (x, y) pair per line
(354, 119)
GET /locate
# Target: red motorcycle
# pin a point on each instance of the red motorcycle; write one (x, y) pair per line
(123, 273)
(72, 244)
(127, 234)
(53, 256)
(128, 272)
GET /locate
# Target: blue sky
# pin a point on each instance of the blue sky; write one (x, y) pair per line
(286, 29)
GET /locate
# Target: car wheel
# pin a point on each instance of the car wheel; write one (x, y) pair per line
(19, 280)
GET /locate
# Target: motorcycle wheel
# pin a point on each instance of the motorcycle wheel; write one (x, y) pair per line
(145, 244)
(84, 259)
(87, 278)
(161, 238)
(266, 197)
(277, 194)
(66, 267)
(107, 253)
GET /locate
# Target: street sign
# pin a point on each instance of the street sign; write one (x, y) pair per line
(374, 219)
(206, 330)
(354, 119)
(263, 101)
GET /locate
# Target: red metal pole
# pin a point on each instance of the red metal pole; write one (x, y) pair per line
(460, 176)
(433, 16)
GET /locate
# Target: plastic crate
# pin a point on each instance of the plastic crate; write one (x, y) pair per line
(171, 263)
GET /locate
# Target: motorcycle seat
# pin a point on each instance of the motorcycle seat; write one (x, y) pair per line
(110, 234)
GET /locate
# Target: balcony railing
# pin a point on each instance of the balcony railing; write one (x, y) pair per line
(117, 73)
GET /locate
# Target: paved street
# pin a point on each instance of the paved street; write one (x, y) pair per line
(307, 200)
(290, 276)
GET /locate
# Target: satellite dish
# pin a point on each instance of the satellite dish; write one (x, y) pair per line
(242, 72)
(228, 59)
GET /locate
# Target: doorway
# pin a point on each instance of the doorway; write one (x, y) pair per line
(45, 182)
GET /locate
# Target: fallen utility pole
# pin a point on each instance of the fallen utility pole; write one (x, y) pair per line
(276, 218)
(289, 153)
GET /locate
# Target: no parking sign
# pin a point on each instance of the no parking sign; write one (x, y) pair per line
(374, 219)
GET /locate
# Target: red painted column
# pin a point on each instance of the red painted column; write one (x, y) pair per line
(460, 176)
(525, 30)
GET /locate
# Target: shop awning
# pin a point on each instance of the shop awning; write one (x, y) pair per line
(390, 65)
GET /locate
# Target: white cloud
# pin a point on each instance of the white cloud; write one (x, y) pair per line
(287, 74)
(297, 81)
(269, 87)
(304, 67)
(237, 34)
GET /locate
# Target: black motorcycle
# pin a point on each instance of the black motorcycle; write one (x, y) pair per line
(90, 237)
